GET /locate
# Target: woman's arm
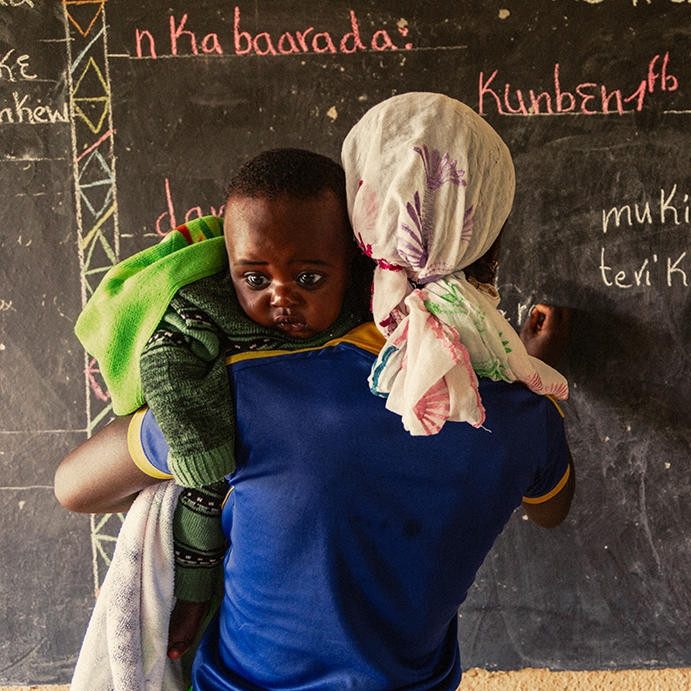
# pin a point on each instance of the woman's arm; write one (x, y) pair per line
(99, 476)
(545, 335)
(552, 512)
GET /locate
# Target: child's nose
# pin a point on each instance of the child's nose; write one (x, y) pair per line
(283, 296)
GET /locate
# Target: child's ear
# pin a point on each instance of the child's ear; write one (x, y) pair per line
(361, 276)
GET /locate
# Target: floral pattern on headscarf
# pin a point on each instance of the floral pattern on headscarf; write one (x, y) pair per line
(430, 185)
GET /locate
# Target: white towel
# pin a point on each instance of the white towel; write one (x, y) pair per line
(125, 645)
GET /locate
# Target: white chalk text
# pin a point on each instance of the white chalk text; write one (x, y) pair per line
(22, 110)
(670, 211)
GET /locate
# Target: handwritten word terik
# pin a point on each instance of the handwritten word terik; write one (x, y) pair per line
(182, 40)
(589, 98)
(676, 272)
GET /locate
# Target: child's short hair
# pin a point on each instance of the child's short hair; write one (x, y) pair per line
(294, 172)
(303, 174)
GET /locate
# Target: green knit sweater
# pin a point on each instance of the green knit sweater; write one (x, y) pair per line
(183, 372)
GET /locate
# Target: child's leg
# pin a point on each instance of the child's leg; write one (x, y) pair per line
(185, 622)
(199, 550)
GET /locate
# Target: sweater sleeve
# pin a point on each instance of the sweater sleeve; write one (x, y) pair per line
(186, 385)
(199, 542)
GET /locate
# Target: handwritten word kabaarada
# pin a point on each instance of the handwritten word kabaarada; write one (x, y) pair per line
(317, 41)
(588, 98)
(182, 40)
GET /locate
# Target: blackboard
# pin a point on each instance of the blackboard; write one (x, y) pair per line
(118, 120)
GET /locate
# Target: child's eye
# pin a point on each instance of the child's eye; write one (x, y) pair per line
(310, 279)
(256, 281)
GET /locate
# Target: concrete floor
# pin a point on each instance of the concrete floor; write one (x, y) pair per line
(540, 680)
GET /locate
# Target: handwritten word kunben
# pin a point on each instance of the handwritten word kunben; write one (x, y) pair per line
(588, 98)
(184, 41)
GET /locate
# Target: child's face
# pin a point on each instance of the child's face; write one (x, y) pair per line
(289, 260)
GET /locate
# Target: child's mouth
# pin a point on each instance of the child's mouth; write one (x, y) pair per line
(292, 325)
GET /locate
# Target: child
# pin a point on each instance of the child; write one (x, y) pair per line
(182, 364)
(352, 542)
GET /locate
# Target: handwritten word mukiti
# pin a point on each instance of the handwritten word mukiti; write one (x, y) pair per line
(671, 208)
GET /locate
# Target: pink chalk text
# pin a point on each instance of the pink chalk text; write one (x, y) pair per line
(184, 40)
(588, 98)
(171, 218)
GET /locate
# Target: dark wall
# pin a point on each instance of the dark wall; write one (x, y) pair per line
(118, 120)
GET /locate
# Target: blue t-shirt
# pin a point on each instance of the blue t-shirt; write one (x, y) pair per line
(352, 543)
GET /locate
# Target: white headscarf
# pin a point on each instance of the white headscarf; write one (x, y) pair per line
(430, 185)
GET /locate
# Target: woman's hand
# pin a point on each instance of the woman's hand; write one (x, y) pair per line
(545, 333)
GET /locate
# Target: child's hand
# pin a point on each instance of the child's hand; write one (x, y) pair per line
(546, 332)
(185, 621)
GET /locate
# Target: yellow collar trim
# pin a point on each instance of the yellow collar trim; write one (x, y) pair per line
(365, 336)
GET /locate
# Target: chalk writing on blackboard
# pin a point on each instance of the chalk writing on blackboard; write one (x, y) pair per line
(588, 98)
(172, 217)
(671, 212)
(672, 208)
(15, 66)
(16, 3)
(92, 373)
(182, 39)
(24, 108)
(673, 271)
